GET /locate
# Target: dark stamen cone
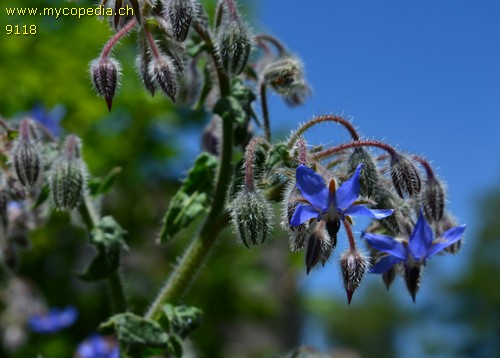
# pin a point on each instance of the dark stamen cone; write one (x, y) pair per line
(333, 227)
(412, 278)
(388, 277)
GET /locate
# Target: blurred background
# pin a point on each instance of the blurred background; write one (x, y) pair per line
(423, 76)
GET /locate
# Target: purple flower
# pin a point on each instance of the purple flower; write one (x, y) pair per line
(326, 203)
(414, 252)
(54, 320)
(97, 346)
(49, 119)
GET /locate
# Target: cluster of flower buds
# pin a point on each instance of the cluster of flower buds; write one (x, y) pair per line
(324, 188)
(38, 171)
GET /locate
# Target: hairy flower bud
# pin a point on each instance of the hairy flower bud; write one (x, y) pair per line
(142, 63)
(298, 234)
(284, 75)
(68, 176)
(252, 217)
(405, 176)
(162, 70)
(369, 179)
(234, 46)
(433, 199)
(180, 14)
(105, 73)
(318, 248)
(412, 275)
(353, 266)
(26, 156)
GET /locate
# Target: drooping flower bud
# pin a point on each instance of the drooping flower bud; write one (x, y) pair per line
(252, 217)
(318, 248)
(68, 176)
(180, 14)
(405, 176)
(284, 75)
(369, 178)
(162, 70)
(142, 63)
(234, 46)
(105, 73)
(298, 234)
(26, 156)
(433, 199)
(353, 266)
(412, 275)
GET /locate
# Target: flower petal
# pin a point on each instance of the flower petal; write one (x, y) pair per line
(302, 213)
(312, 187)
(449, 238)
(53, 321)
(387, 244)
(421, 238)
(384, 264)
(348, 192)
(371, 213)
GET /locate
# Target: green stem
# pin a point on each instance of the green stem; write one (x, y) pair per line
(115, 284)
(265, 111)
(180, 278)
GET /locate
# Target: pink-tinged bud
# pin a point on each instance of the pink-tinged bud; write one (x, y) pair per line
(162, 71)
(405, 176)
(433, 199)
(234, 46)
(68, 176)
(284, 76)
(26, 156)
(353, 266)
(105, 73)
(180, 15)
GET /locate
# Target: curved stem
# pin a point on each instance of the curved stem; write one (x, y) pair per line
(427, 166)
(152, 44)
(116, 37)
(259, 39)
(265, 111)
(360, 143)
(321, 119)
(350, 235)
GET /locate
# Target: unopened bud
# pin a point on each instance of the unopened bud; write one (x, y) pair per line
(26, 156)
(284, 75)
(142, 64)
(412, 275)
(445, 224)
(105, 73)
(353, 266)
(180, 14)
(369, 178)
(405, 176)
(252, 217)
(298, 234)
(162, 71)
(318, 246)
(234, 46)
(297, 96)
(433, 199)
(68, 176)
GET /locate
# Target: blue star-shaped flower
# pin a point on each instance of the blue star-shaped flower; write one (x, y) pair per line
(97, 346)
(326, 203)
(54, 320)
(414, 252)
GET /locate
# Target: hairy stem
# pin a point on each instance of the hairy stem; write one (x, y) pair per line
(360, 143)
(265, 111)
(116, 37)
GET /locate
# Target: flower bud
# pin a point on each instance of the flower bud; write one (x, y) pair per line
(68, 176)
(180, 14)
(142, 64)
(433, 199)
(105, 73)
(412, 275)
(297, 96)
(234, 46)
(26, 156)
(298, 234)
(369, 177)
(353, 266)
(284, 76)
(252, 217)
(443, 225)
(405, 176)
(319, 247)
(162, 70)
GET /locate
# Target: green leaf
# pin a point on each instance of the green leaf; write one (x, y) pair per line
(181, 320)
(229, 108)
(102, 186)
(192, 198)
(138, 337)
(107, 237)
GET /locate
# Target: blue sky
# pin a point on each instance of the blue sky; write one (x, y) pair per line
(422, 75)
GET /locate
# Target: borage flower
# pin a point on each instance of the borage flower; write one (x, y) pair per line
(325, 203)
(414, 252)
(97, 346)
(54, 320)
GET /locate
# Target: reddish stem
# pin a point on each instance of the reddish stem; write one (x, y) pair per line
(116, 37)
